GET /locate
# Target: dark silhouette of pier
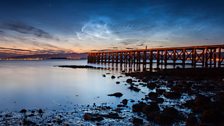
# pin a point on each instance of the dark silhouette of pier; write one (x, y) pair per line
(207, 56)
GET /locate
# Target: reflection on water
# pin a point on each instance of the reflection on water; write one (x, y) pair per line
(133, 67)
(38, 84)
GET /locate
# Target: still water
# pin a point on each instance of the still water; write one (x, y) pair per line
(40, 84)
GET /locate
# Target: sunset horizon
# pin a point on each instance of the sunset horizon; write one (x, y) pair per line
(111, 62)
(79, 26)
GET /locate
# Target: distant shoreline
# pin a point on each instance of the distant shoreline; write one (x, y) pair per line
(38, 59)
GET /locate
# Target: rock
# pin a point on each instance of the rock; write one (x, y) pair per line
(8, 115)
(129, 81)
(23, 111)
(92, 117)
(153, 107)
(113, 77)
(27, 122)
(177, 88)
(168, 116)
(134, 88)
(132, 100)
(212, 116)
(119, 76)
(40, 111)
(112, 115)
(30, 115)
(191, 121)
(117, 82)
(104, 75)
(160, 91)
(138, 107)
(125, 101)
(120, 105)
(59, 121)
(172, 95)
(159, 100)
(200, 103)
(117, 94)
(189, 104)
(151, 85)
(137, 121)
(152, 95)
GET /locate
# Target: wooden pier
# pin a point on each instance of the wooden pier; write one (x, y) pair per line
(209, 56)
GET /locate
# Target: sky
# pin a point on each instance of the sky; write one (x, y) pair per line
(62, 26)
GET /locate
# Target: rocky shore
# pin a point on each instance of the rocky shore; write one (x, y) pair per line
(199, 96)
(172, 97)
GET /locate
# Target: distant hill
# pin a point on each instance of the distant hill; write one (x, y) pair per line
(44, 56)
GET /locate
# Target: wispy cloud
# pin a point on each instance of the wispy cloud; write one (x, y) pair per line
(96, 30)
(25, 29)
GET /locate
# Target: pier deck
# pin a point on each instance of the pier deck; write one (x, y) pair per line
(208, 56)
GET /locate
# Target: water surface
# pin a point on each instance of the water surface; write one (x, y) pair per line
(39, 84)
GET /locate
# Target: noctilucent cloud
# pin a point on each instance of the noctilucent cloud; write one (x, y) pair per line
(47, 26)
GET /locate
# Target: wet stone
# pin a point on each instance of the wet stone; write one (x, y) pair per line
(159, 100)
(27, 122)
(151, 85)
(92, 117)
(40, 111)
(129, 81)
(117, 94)
(168, 116)
(138, 107)
(191, 121)
(133, 88)
(160, 91)
(172, 95)
(112, 115)
(113, 77)
(23, 111)
(137, 121)
(152, 95)
(152, 107)
(125, 101)
(212, 116)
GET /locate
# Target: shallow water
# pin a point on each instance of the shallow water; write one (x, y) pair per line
(39, 84)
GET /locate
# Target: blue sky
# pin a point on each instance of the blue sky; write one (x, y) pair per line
(83, 25)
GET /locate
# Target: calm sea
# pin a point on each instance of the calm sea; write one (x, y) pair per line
(39, 84)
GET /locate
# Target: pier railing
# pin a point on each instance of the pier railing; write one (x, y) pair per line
(210, 56)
